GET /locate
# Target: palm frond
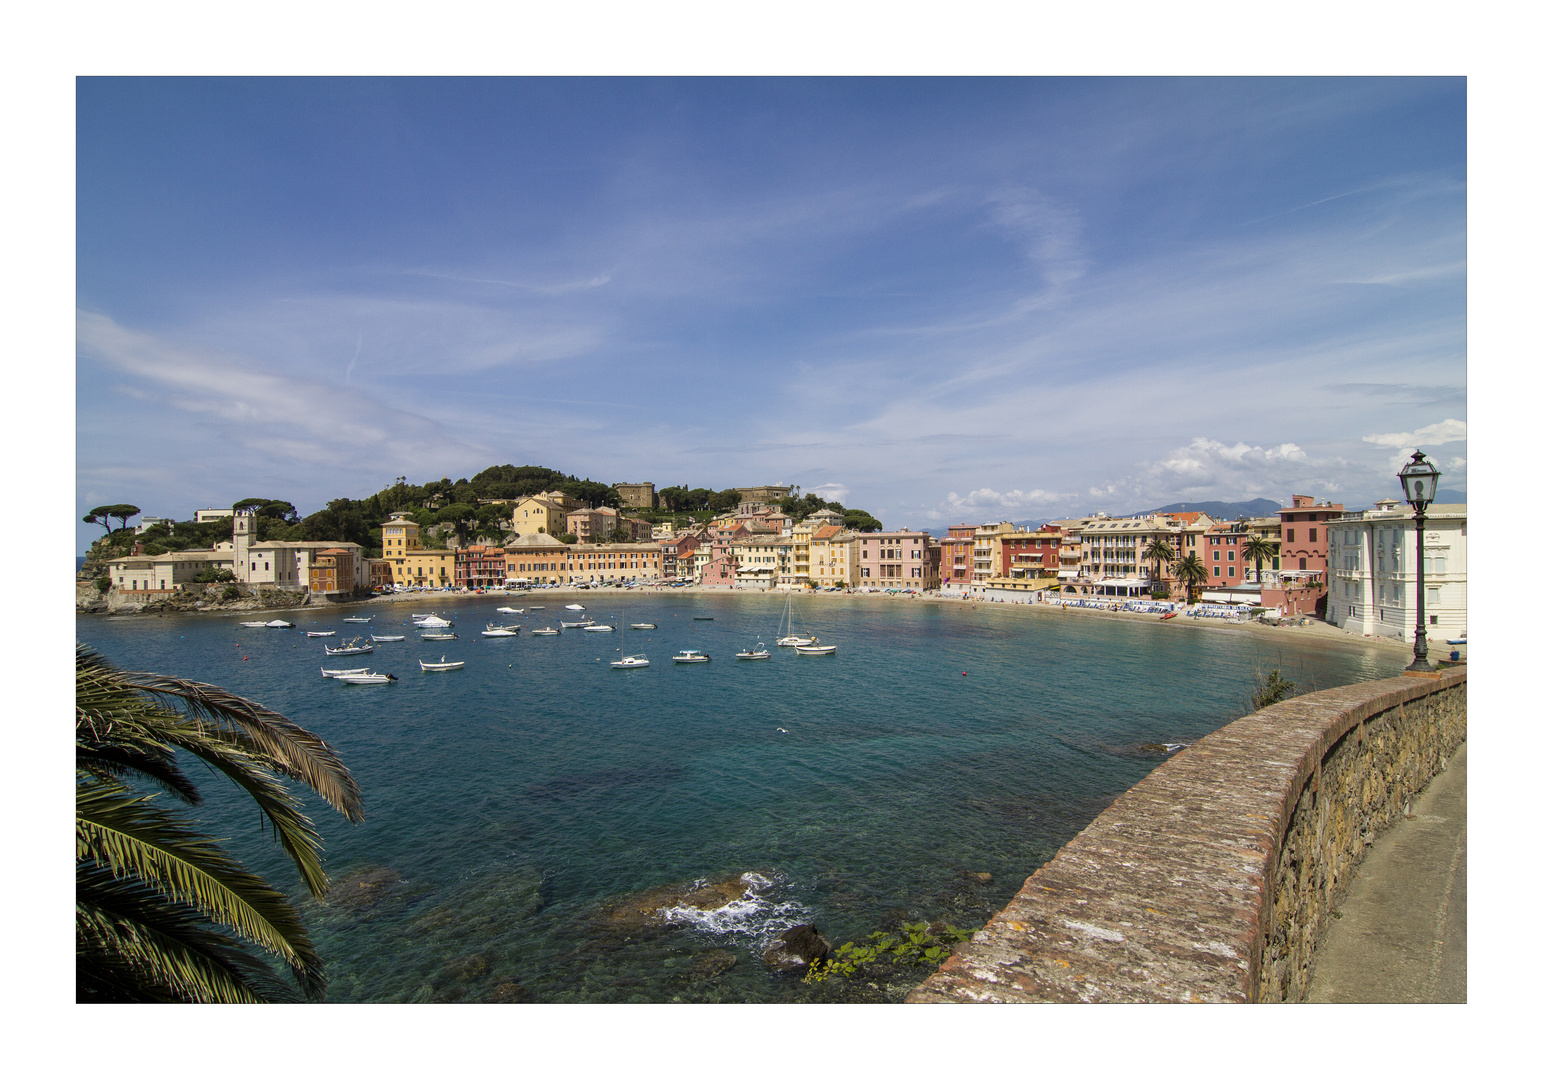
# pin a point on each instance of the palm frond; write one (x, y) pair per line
(286, 746)
(132, 944)
(128, 835)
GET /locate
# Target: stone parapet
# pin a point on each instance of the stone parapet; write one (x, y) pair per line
(1212, 879)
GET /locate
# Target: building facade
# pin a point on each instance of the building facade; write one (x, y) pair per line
(1372, 575)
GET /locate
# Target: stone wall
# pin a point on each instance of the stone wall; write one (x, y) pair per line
(1212, 879)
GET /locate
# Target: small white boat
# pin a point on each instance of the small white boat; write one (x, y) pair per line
(599, 628)
(631, 662)
(547, 631)
(437, 637)
(358, 618)
(814, 648)
(760, 652)
(388, 637)
(254, 625)
(500, 631)
(279, 624)
(368, 678)
(691, 656)
(332, 673)
(644, 626)
(574, 607)
(443, 665)
(348, 648)
(511, 610)
(320, 633)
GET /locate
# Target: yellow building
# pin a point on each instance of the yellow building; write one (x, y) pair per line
(410, 563)
(832, 556)
(546, 514)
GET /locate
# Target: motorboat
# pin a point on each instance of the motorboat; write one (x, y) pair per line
(368, 678)
(349, 648)
(511, 610)
(644, 626)
(320, 633)
(279, 624)
(388, 637)
(574, 607)
(547, 631)
(437, 636)
(814, 648)
(691, 656)
(760, 652)
(443, 665)
(359, 618)
(632, 661)
(598, 628)
(494, 630)
(332, 673)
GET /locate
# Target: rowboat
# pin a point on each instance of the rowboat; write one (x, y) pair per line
(332, 673)
(443, 665)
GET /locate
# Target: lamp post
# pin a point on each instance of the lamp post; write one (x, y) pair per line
(1419, 480)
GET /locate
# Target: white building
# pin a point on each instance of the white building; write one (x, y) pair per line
(1372, 573)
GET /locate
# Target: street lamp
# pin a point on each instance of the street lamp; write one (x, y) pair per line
(1419, 479)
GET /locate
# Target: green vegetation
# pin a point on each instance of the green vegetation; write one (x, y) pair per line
(1191, 573)
(914, 945)
(162, 912)
(1268, 689)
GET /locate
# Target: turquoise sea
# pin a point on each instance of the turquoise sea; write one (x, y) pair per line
(510, 805)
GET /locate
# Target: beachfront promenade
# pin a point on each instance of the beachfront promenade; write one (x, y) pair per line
(1220, 876)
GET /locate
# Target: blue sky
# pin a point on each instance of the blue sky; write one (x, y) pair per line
(938, 300)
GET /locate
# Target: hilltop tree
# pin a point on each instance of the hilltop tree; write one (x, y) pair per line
(162, 912)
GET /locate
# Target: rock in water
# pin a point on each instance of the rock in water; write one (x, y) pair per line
(797, 947)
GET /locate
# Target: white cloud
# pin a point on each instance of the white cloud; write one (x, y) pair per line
(1433, 435)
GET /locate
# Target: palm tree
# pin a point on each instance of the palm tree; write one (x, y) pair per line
(1159, 550)
(1191, 573)
(162, 912)
(1258, 549)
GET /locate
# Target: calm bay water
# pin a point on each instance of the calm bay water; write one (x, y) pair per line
(509, 804)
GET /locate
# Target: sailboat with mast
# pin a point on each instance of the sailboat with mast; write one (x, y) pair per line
(785, 633)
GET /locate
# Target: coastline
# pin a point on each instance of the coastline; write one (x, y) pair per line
(1314, 628)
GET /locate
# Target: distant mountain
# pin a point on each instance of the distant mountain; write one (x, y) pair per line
(1221, 511)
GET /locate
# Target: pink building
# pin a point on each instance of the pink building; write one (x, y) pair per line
(899, 559)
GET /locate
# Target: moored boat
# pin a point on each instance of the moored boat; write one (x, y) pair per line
(368, 678)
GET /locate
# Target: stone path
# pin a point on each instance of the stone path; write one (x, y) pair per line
(1402, 935)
